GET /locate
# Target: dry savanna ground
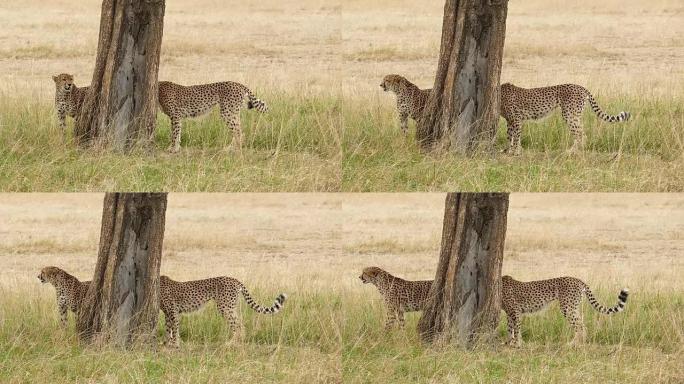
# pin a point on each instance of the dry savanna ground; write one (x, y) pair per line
(313, 247)
(318, 64)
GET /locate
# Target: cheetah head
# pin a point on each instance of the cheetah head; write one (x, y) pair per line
(392, 83)
(64, 82)
(370, 274)
(50, 274)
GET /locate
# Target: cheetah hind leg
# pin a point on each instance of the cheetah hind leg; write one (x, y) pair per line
(578, 326)
(230, 315)
(570, 307)
(575, 124)
(232, 120)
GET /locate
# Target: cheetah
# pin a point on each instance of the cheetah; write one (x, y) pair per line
(179, 102)
(519, 298)
(400, 295)
(178, 297)
(411, 100)
(70, 291)
(517, 105)
(68, 98)
(520, 104)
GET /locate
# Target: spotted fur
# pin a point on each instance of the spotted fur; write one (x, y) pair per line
(520, 104)
(70, 291)
(411, 100)
(399, 295)
(178, 297)
(519, 298)
(179, 102)
(68, 98)
(517, 105)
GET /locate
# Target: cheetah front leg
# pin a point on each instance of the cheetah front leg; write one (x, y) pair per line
(393, 310)
(176, 125)
(62, 306)
(403, 122)
(400, 317)
(61, 119)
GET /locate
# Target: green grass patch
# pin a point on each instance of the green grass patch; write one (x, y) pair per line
(313, 142)
(641, 345)
(294, 147)
(299, 344)
(643, 154)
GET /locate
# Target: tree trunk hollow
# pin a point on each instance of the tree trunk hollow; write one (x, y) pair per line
(464, 301)
(122, 302)
(120, 107)
(463, 108)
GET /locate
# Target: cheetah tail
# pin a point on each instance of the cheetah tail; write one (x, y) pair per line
(258, 104)
(275, 308)
(622, 300)
(622, 116)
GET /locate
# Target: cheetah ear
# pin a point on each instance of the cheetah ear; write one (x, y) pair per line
(54, 78)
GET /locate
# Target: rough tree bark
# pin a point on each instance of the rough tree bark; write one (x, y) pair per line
(122, 304)
(464, 301)
(462, 111)
(120, 107)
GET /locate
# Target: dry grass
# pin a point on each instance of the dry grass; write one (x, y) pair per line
(319, 63)
(313, 247)
(617, 47)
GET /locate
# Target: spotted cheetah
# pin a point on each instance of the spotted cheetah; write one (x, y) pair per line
(519, 298)
(520, 104)
(411, 100)
(400, 295)
(68, 97)
(178, 297)
(70, 291)
(179, 102)
(517, 105)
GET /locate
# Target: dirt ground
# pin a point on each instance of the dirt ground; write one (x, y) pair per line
(619, 47)
(322, 241)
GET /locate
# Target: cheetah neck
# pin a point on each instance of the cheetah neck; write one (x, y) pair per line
(385, 284)
(64, 95)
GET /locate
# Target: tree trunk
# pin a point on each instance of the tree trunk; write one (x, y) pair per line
(122, 302)
(120, 107)
(464, 301)
(463, 107)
